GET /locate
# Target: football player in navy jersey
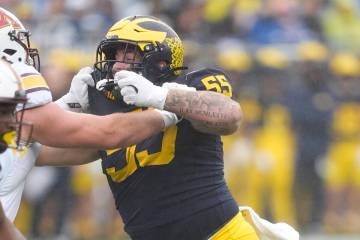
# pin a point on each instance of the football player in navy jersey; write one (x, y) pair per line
(21, 83)
(170, 186)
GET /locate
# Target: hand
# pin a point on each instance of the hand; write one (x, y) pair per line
(169, 117)
(139, 91)
(76, 99)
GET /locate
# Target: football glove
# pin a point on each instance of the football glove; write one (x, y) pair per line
(141, 92)
(169, 117)
(76, 100)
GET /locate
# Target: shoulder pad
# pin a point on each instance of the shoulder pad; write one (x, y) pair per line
(209, 79)
(37, 90)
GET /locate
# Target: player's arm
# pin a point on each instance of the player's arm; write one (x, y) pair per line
(207, 108)
(8, 230)
(50, 156)
(56, 127)
(208, 112)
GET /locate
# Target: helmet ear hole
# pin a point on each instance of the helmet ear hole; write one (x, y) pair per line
(9, 52)
(162, 65)
(157, 66)
(149, 48)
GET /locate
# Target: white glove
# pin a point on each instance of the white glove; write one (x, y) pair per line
(169, 117)
(76, 99)
(139, 91)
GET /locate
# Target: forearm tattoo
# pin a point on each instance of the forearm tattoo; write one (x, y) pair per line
(209, 112)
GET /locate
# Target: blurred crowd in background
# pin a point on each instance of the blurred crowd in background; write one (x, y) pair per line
(295, 69)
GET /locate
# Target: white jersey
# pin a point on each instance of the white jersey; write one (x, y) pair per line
(15, 166)
(37, 91)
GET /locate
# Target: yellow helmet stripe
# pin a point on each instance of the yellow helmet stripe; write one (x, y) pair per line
(131, 30)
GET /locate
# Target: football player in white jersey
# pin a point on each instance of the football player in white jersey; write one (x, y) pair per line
(11, 94)
(51, 125)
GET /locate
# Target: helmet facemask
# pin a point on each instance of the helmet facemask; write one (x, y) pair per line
(153, 62)
(106, 57)
(22, 37)
(14, 132)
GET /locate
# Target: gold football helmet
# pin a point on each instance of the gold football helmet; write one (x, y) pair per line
(148, 39)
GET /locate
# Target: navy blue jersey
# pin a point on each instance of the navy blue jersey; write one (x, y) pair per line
(171, 176)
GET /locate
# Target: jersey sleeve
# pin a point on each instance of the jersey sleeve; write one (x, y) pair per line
(210, 80)
(37, 91)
